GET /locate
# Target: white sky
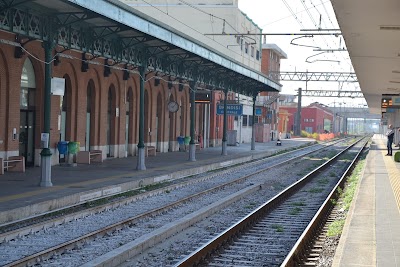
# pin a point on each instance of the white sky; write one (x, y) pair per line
(274, 16)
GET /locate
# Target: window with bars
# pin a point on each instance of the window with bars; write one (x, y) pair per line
(244, 122)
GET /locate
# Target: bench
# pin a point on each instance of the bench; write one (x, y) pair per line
(86, 157)
(198, 146)
(12, 164)
(150, 150)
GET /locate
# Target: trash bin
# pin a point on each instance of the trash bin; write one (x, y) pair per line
(187, 140)
(73, 147)
(62, 147)
(181, 142)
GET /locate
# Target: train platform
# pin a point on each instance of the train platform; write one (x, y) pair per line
(371, 235)
(22, 197)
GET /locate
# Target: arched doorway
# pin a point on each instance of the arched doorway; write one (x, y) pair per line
(182, 117)
(147, 130)
(159, 120)
(90, 108)
(65, 106)
(111, 109)
(27, 113)
(128, 120)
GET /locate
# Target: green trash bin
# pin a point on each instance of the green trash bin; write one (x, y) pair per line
(187, 140)
(73, 147)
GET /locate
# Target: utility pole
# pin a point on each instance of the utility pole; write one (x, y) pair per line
(298, 115)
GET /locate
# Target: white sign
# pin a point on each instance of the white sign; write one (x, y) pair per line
(116, 112)
(57, 86)
(44, 137)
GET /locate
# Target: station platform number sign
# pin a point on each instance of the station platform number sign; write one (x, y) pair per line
(231, 109)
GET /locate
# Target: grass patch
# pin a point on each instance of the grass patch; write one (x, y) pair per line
(295, 211)
(351, 185)
(278, 228)
(250, 205)
(346, 196)
(298, 204)
(335, 228)
(316, 190)
(323, 181)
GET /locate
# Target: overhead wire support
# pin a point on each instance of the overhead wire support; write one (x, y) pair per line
(333, 93)
(313, 76)
(320, 30)
(266, 34)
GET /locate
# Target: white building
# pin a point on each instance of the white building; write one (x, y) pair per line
(200, 19)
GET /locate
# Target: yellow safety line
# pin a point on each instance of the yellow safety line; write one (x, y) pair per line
(394, 177)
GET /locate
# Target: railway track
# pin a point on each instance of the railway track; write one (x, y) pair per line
(62, 248)
(291, 219)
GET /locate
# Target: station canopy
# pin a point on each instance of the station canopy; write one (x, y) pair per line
(126, 37)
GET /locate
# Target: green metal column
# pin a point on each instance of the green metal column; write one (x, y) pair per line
(141, 149)
(225, 129)
(192, 146)
(46, 153)
(253, 130)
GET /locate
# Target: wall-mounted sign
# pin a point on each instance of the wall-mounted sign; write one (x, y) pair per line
(386, 102)
(231, 109)
(57, 86)
(258, 112)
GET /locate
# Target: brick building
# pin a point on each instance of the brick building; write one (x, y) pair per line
(268, 102)
(315, 118)
(123, 89)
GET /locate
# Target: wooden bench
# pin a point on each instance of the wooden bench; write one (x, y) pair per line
(150, 150)
(86, 157)
(12, 164)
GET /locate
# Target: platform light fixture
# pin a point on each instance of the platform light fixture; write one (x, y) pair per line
(57, 61)
(156, 81)
(85, 64)
(107, 70)
(180, 85)
(170, 83)
(125, 75)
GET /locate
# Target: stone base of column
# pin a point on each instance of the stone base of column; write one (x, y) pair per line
(140, 160)
(192, 152)
(224, 148)
(45, 171)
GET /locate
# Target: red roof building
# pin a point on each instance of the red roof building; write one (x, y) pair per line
(315, 118)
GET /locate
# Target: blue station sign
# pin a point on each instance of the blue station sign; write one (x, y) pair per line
(231, 109)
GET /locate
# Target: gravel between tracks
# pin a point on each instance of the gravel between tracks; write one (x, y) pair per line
(88, 251)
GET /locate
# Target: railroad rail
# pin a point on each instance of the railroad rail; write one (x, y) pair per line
(259, 238)
(118, 226)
